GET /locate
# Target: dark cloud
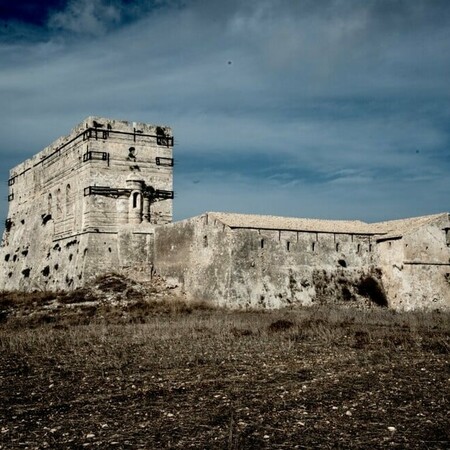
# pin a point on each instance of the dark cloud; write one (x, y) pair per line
(321, 112)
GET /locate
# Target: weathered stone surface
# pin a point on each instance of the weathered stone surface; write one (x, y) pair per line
(87, 204)
(100, 199)
(264, 261)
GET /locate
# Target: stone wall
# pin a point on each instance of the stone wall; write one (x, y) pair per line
(261, 268)
(416, 267)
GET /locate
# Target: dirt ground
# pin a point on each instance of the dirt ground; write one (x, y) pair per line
(141, 377)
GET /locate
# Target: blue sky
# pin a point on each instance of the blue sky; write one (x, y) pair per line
(308, 108)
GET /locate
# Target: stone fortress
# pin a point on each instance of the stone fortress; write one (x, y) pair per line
(100, 200)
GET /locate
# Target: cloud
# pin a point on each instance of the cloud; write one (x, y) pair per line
(93, 17)
(328, 107)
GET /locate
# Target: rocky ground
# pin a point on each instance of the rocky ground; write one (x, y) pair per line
(124, 365)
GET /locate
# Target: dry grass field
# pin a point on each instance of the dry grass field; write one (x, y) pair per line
(167, 374)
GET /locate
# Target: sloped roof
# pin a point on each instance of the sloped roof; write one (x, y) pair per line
(391, 228)
(291, 223)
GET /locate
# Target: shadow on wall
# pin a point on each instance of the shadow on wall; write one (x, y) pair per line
(340, 287)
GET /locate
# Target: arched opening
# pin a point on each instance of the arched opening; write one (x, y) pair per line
(136, 199)
(135, 207)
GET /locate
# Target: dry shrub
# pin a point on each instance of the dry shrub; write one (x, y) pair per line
(280, 325)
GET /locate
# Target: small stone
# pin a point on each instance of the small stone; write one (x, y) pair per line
(90, 435)
(348, 413)
(392, 429)
(266, 436)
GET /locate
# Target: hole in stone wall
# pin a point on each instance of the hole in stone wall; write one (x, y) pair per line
(342, 262)
(22, 221)
(70, 257)
(46, 271)
(109, 249)
(26, 273)
(358, 248)
(85, 252)
(337, 247)
(56, 266)
(261, 243)
(46, 218)
(313, 246)
(370, 288)
(56, 247)
(25, 253)
(205, 241)
(15, 258)
(9, 274)
(346, 294)
(370, 247)
(288, 246)
(7, 257)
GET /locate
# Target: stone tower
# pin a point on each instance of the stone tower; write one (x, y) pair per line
(87, 204)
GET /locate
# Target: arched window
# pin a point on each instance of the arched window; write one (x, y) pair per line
(136, 199)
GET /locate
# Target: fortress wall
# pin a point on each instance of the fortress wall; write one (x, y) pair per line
(416, 268)
(58, 233)
(260, 268)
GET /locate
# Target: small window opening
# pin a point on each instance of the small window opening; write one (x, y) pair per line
(135, 199)
(205, 241)
(288, 246)
(370, 247)
(358, 248)
(261, 243)
(337, 247)
(313, 246)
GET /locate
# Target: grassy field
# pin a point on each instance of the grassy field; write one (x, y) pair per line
(154, 376)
